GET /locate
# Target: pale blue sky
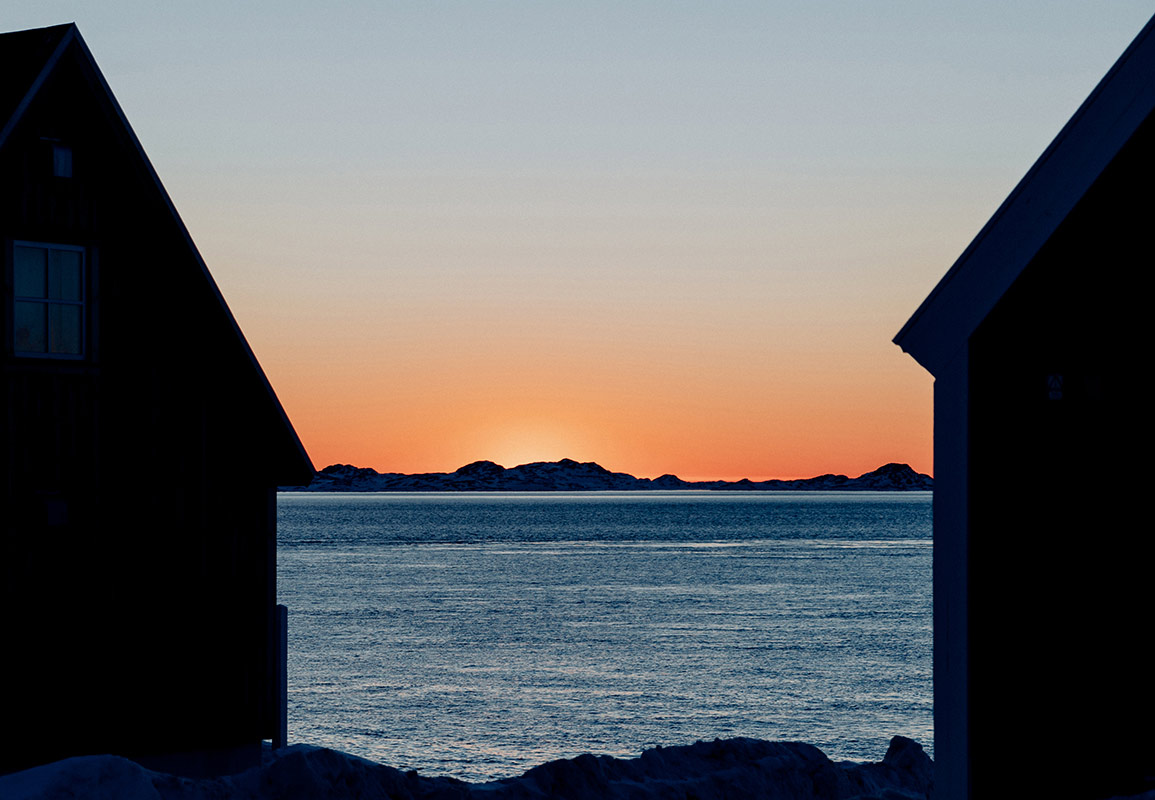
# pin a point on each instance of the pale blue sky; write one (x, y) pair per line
(380, 186)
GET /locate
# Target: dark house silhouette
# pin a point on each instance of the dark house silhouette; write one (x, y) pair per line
(1038, 338)
(141, 443)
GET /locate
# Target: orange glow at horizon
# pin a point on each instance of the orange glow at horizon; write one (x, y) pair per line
(646, 418)
(751, 372)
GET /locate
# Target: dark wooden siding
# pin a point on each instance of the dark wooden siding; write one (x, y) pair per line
(1060, 549)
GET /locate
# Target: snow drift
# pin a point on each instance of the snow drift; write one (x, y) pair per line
(723, 768)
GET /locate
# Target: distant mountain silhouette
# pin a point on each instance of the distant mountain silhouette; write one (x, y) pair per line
(568, 475)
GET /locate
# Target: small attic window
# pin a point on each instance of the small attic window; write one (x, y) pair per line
(61, 161)
(59, 157)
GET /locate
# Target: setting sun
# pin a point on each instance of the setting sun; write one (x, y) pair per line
(525, 441)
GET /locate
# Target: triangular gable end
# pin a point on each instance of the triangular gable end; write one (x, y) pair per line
(49, 48)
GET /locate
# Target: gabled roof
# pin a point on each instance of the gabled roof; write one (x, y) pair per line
(1034, 210)
(27, 59)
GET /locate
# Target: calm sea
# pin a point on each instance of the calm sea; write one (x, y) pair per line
(476, 635)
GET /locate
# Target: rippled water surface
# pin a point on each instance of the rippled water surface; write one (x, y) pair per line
(477, 635)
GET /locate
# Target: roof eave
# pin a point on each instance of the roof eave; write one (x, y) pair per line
(1035, 208)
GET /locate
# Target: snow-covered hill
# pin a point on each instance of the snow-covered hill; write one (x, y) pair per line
(568, 475)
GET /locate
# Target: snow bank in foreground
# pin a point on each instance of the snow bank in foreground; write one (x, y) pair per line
(724, 768)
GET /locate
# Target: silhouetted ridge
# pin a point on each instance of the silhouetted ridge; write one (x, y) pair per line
(568, 475)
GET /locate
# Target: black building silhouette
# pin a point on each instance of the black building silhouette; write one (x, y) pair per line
(142, 445)
(1038, 338)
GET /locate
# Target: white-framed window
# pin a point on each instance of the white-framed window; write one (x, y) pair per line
(48, 300)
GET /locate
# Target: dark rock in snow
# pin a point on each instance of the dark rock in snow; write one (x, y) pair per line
(724, 768)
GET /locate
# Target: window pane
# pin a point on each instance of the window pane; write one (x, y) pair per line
(64, 329)
(48, 306)
(29, 271)
(31, 334)
(61, 161)
(64, 275)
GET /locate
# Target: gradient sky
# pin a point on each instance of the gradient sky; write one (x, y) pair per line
(664, 236)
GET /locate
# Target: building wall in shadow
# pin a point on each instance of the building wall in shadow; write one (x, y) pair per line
(1059, 550)
(141, 451)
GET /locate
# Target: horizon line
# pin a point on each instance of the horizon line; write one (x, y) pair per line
(639, 477)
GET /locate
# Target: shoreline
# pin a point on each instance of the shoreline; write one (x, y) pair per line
(739, 767)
